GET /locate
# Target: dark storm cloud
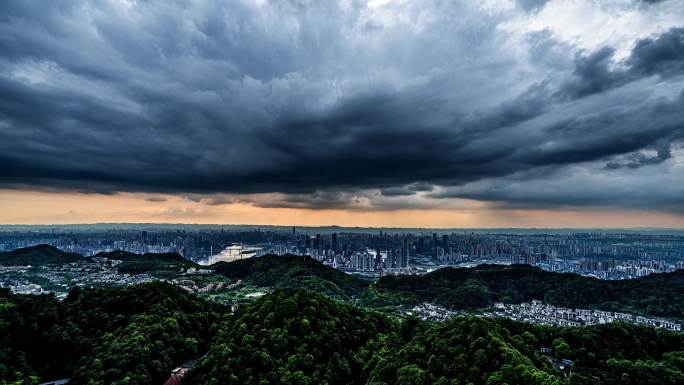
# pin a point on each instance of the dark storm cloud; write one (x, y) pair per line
(327, 105)
(663, 55)
(571, 188)
(570, 169)
(596, 72)
(636, 160)
(420, 186)
(593, 75)
(316, 200)
(396, 191)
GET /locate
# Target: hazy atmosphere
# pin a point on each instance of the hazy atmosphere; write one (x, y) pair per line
(371, 113)
(341, 192)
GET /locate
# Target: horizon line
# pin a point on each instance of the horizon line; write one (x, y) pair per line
(647, 228)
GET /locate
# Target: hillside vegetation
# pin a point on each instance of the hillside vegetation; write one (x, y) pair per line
(290, 271)
(132, 335)
(136, 335)
(133, 263)
(291, 337)
(38, 255)
(455, 288)
(499, 351)
(296, 337)
(656, 295)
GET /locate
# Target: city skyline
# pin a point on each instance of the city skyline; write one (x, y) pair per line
(379, 113)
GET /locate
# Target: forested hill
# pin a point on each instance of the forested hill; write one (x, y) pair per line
(499, 351)
(290, 271)
(128, 256)
(137, 335)
(38, 255)
(132, 263)
(294, 337)
(455, 288)
(140, 263)
(657, 295)
(132, 335)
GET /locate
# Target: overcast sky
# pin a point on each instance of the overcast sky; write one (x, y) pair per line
(455, 113)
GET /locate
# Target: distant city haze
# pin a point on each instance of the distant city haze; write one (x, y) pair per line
(341, 192)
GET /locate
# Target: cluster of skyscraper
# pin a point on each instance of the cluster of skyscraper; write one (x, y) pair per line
(347, 252)
(600, 254)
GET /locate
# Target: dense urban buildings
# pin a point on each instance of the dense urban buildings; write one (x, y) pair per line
(375, 252)
(342, 192)
(228, 273)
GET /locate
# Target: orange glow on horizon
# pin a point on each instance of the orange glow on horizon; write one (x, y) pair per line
(34, 207)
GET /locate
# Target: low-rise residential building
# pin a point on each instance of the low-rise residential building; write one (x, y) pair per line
(539, 312)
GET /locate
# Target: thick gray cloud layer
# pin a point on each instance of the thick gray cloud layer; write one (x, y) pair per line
(328, 103)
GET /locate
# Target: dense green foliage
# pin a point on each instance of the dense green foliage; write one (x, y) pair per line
(137, 334)
(289, 271)
(294, 337)
(133, 263)
(456, 288)
(657, 295)
(291, 337)
(618, 353)
(465, 351)
(132, 335)
(486, 351)
(38, 255)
